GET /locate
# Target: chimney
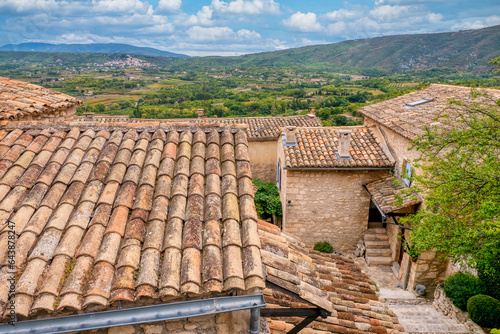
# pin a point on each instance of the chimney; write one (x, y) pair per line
(344, 143)
(201, 113)
(312, 112)
(290, 135)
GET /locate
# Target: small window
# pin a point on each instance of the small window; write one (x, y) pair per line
(278, 176)
(417, 103)
(406, 173)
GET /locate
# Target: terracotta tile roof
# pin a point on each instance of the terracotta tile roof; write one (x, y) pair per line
(387, 194)
(316, 148)
(258, 128)
(410, 122)
(113, 215)
(331, 282)
(19, 99)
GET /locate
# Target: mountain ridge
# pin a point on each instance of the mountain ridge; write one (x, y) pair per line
(465, 51)
(89, 48)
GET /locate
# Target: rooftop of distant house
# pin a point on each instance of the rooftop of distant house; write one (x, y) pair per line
(319, 148)
(258, 128)
(19, 99)
(408, 115)
(390, 194)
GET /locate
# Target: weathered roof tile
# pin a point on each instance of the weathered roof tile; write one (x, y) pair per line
(138, 215)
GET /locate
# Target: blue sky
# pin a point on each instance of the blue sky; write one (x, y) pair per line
(233, 27)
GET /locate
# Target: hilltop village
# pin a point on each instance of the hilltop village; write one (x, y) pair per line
(154, 220)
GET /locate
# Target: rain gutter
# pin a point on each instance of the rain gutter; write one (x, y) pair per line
(139, 315)
(338, 168)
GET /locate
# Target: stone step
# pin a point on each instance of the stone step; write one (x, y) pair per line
(424, 319)
(376, 244)
(376, 237)
(379, 260)
(378, 252)
(377, 230)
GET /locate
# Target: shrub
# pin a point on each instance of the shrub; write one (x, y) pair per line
(488, 270)
(459, 287)
(267, 199)
(484, 310)
(323, 247)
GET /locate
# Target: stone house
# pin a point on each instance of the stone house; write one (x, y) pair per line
(142, 229)
(21, 101)
(395, 123)
(262, 133)
(321, 172)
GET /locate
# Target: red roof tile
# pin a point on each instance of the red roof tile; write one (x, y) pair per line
(298, 277)
(18, 99)
(389, 194)
(316, 148)
(106, 216)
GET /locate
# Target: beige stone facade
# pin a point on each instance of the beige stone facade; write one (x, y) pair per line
(263, 159)
(327, 205)
(236, 322)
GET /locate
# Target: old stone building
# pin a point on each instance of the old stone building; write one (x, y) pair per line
(21, 101)
(395, 123)
(320, 178)
(262, 133)
(157, 227)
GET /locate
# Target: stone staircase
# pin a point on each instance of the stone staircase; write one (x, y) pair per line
(378, 251)
(418, 316)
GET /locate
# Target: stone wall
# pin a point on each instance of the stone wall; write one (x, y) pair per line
(396, 144)
(394, 233)
(443, 304)
(232, 322)
(263, 158)
(327, 205)
(430, 270)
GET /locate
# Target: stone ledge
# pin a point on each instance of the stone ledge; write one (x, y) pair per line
(444, 304)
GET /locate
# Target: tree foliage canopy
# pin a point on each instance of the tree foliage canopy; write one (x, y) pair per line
(460, 182)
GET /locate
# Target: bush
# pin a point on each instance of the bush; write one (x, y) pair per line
(267, 199)
(484, 310)
(488, 270)
(459, 287)
(323, 247)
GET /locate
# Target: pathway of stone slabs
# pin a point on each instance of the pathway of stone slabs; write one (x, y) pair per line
(417, 315)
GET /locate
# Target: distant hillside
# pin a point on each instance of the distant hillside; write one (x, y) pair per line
(89, 48)
(465, 51)
(13, 59)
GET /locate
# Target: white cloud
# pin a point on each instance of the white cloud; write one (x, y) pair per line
(253, 7)
(169, 5)
(478, 24)
(303, 22)
(198, 33)
(388, 13)
(343, 14)
(119, 6)
(434, 18)
(203, 18)
(337, 28)
(27, 6)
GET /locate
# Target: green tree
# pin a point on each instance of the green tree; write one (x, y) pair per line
(460, 183)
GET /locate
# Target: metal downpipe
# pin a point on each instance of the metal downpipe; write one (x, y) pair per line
(254, 321)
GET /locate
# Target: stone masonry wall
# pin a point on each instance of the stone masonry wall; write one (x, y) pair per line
(429, 270)
(327, 205)
(444, 304)
(263, 158)
(224, 323)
